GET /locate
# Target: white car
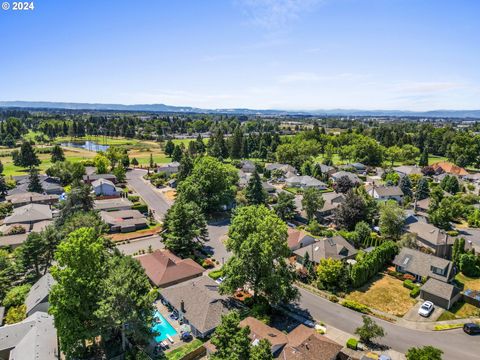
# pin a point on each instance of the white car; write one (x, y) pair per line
(426, 309)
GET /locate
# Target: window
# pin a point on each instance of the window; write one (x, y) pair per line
(437, 271)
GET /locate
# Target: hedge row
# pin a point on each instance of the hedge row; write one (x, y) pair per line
(356, 306)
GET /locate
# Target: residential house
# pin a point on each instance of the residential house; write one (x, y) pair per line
(199, 304)
(440, 293)
(13, 241)
(88, 179)
(49, 184)
(332, 201)
(170, 168)
(248, 166)
(405, 170)
(288, 170)
(164, 269)
(21, 199)
(326, 169)
(449, 168)
(34, 338)
(306, 344)
(114, 204)
(475, 178)
(357, 167)
(124, 220)
(103, 187)
(422, 265)
(385, 193)
(29, 214)
(353, 177)
(260, 331)
(270, 189)
(305, 182)
(335, 248)
(298, 239)
(37, 298)
(430, 237)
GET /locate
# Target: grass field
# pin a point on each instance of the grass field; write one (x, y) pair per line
(182, 351)
(468, 283)
(384, 293)
(432, 159)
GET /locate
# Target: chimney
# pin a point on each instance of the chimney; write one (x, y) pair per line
(31, 199)
(182, 306)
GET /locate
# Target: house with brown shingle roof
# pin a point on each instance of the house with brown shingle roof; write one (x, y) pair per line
(164, 269)
(305, 344)
(336, 247)
(431, 237)
(260, 331)
(449, 168)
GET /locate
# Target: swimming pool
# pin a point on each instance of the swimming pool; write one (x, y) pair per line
(163, 327)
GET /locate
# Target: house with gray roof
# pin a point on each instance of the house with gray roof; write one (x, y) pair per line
(305, 182)
(336, 247)
(422, 265)
(430, 237)
(104, 187)
(170, 168)
(20, 199)
(34, 338)
(405, 170)
(124, 220)
(440, 293)
(199, 304)
(88, 179)
(332, 201)
(50, 185)
(326, 169)
(385, 193)
(37, 298)
(353, 177)
(29, 214)
(248, 166)
(287, 170)
(114, 204)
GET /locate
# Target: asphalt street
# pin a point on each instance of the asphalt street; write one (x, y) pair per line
(153, 198)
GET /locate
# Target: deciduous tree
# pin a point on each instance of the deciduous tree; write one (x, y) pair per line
(312, 202)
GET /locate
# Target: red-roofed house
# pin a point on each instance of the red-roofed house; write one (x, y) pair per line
(164, 269)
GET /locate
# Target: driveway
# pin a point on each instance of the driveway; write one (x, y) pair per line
(455, 343)
(217, 232)
(152, 197)
(412, 314)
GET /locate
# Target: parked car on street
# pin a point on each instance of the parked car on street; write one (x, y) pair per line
(471, 328)
(426, 309)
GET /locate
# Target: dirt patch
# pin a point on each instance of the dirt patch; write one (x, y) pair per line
(384, 293)
(170, 194)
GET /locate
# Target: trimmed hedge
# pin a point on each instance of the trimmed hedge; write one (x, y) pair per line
(415, 291)
(409, 284)
(215, 274)
(352, 343)
(140, 207)
(356, 306)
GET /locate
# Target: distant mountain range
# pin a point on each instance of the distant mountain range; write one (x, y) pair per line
(187, 109)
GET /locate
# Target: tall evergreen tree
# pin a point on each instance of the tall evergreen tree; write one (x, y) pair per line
(177, 153)
(57, 154)
(285, 206)
(422, 190)
(236, 144)
(3, 186)
(423, 161)
(26, 157)
(169, 147)
(34, 184)
(406, 186)
(255, 193)
(186, 167)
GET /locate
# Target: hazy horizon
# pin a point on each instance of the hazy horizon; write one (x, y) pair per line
(292, 55)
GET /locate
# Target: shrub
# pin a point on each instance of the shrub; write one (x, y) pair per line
(408, 277)
(415, 291)
(215, 274)
(356, 306)
(409, 284)
(140, 207)
(16, 229)
(352, 343)
(16, 314)
(207, 263)
(333, 298)
(133, 198)
(16, 296)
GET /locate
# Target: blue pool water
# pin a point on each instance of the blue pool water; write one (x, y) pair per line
(163, 328)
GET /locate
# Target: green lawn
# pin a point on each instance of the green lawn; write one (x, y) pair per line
(468, 282)
(179, 353)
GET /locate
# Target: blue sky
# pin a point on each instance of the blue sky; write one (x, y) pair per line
(283, 54)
